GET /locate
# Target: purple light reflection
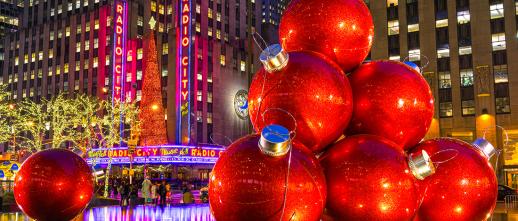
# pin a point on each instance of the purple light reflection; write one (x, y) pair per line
(194, 212)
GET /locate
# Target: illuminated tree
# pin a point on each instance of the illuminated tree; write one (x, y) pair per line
(35, 124)
(106, 130)
(5, 134)
(153, 131)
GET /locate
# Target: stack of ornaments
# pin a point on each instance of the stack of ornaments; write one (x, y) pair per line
(341, 139)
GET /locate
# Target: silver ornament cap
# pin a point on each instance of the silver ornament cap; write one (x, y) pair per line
(275, 140)
(421, 165)
(485, 147)
(274, 58)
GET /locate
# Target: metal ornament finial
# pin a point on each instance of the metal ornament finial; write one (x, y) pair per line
(421, 165)
(275, 140)
(485, 147)
(274, 58)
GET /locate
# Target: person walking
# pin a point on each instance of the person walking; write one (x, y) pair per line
(153, 193)
(124, 193)
(162, 192)
(146, 190)
(187, 196)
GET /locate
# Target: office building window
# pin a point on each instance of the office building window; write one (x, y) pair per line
(445, 109)
(498, 41)
(502, 100)
(496, 11)
(468, 108)
(466, 77)
(412, 11)
(393, 45)
(444, 79)
(441, 9)
(393, 27)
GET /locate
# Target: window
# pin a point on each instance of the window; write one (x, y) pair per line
(444, 79)
(441, 9)
(243, 66)
(463, 17)
(393, 45)
(442, 38)
(502, 105)
(466, 77)
(497, 25)
(199, 96)
(393, 27)
(500, 74)
(468, 108)
(413, 28)
(445, 109)
(498, 41)
(413, 40)
(496, 11)
(499, 57)
(222, 60)
(464, 34)
(412, 11)
(414, 55)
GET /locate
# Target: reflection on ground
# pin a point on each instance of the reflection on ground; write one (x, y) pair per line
(194, 212)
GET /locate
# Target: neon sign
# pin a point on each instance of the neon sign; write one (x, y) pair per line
(119, 55)
(184, 70)
(157, 154)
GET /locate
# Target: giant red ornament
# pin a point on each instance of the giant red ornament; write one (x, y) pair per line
(464, 186)
(54, 184)
(340, 29)
(310, 87)
(391, 100)
(247, 184)
(368, 178)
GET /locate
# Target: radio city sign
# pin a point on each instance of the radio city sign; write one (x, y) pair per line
(185, 40)
(156, 154)
(119, 46)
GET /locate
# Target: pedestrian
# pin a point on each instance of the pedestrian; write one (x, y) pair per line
(187, 196)
(146, 190)
(124, 194)
(162, 192)
(168, 191)
(153, 193)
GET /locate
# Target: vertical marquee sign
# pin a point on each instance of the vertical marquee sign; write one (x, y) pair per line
(183, 96)
(119, 53)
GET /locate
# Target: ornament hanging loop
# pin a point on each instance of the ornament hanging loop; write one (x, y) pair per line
(293, 131)
(437, 163)
(213, 140)
(258, 39)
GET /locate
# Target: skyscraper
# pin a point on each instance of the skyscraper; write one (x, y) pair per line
(205, 54)
(467, 49)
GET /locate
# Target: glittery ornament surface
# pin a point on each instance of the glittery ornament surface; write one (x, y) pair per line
(391, 100)
(246, 184)
(368, 179)
(464, 186)
(311, 88)
(53, 184)
(340, 29)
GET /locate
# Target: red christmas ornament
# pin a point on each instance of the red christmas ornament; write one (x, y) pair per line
(391, 100)
(248, 181)
(368, 178)
(310, 87)
(54, 184)
(464, 186)
(340, 29)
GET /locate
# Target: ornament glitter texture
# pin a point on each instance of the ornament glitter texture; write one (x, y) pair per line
(247, 184)
(53, 185)
(391, 100)
(464, 186)
(310, 87)
(368, 178)
(342, 30)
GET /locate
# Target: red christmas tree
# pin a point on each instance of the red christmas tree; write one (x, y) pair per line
(153, 130)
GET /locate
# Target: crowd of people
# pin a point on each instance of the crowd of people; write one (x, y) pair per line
(153, 192)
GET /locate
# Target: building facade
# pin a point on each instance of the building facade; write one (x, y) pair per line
(271, 13)
(205, 53)
(467, 49)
